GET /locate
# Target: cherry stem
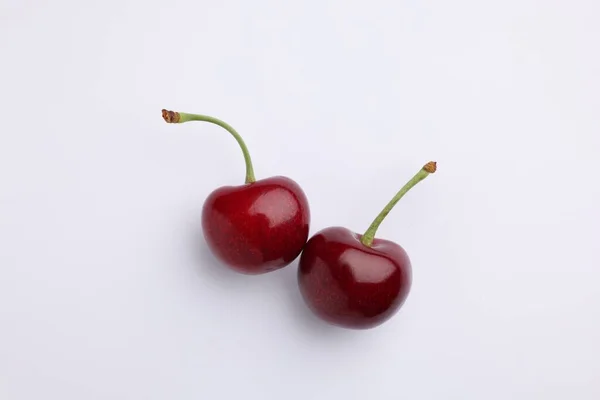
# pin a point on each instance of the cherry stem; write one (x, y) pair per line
(367, 238)
(174, 117)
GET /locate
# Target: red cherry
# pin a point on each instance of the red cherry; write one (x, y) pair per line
(352, 285)
(357, 281)
(257, 227)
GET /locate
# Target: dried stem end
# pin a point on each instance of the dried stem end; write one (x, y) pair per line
(430, 167)
(172, 117)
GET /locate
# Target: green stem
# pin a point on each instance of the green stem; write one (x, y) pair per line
(175, 117)
(367, 238)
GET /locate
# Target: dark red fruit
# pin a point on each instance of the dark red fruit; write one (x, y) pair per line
(256, 227)
(349, 284)
(357, 281)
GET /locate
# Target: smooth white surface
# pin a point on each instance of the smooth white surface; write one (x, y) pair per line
(106, 289)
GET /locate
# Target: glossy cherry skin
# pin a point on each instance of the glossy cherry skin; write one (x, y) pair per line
(257, 227)
(349, 284)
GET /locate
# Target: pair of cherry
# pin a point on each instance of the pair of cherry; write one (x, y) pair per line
(350, 280)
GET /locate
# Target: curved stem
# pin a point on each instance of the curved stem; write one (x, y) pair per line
(174, 117)
(367, 238)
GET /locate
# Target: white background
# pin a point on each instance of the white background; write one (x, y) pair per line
(107, 290)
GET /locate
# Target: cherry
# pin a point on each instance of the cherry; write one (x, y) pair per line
(357, 281)
(257, 227)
